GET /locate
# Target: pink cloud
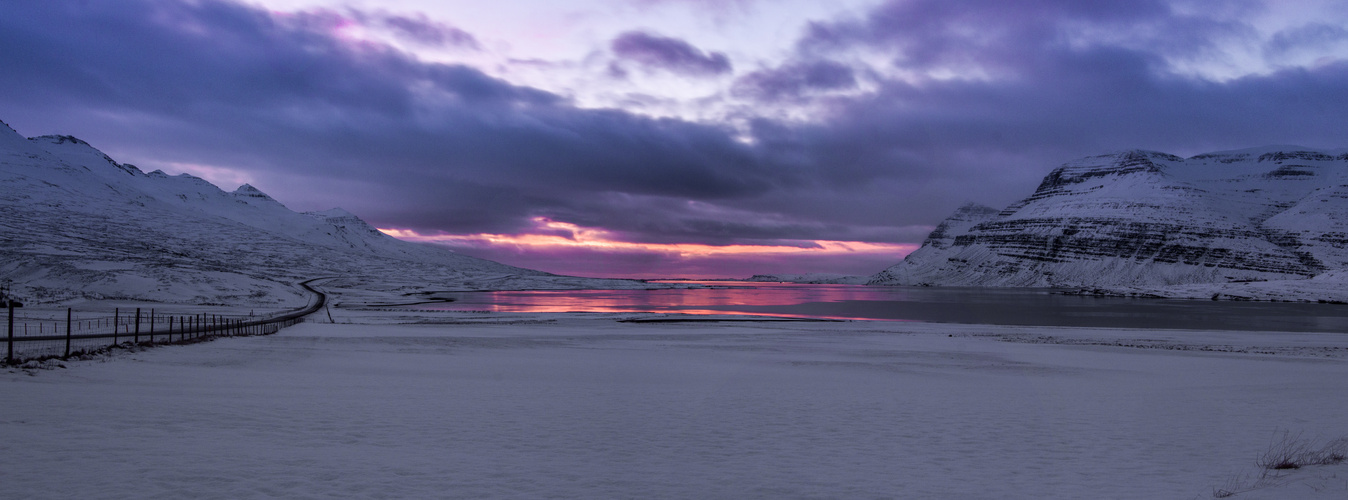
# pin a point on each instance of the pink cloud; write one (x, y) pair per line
(564, 248)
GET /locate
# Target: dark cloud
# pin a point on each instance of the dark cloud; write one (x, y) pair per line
(1310, 37)
(417, 28)
(1011, 38)
(671, 54)
(221, 83)
(321, 121)
(795, 80)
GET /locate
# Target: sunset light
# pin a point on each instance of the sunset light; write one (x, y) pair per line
(690, 260)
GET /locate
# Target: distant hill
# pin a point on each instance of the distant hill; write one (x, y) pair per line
(75, 224)
(810, 278)
(1262, 223)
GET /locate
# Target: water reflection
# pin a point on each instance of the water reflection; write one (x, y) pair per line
(946, 305)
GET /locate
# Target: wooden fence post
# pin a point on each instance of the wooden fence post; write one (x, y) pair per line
(151, 325)
(170, 329)
(67, 332)
(10, 358)
(137, 337)
(116, 316)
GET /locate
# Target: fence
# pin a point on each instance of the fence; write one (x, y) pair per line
(39, 338)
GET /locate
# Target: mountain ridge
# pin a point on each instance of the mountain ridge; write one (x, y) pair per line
(80, 226)
(1136, 219)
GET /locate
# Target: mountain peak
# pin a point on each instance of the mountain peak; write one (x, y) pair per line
(1097, 168)
(1149, 154)
(332, 213)
(60, 139)
(254, 196)
(249, 190)
(76, 151)
(5, 126)
(975, 208)
(345, 221)
(9, 136)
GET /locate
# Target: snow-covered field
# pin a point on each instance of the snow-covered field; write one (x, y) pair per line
(466, 405)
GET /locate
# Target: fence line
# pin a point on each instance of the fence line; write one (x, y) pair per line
(84, 334)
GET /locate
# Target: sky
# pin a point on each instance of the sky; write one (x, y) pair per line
(667, 138)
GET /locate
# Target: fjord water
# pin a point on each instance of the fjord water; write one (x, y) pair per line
(1003, 306)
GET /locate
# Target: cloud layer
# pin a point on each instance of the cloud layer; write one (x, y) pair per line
(871, 128)
(671, 54)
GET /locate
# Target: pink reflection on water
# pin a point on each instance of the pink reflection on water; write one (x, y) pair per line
(714, 298)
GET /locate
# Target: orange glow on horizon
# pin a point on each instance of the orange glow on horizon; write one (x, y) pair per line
(600, 240)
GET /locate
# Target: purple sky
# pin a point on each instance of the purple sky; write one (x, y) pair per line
(667, 137)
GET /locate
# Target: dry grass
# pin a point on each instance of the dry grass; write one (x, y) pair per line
(1293, 452)
(1286, 452)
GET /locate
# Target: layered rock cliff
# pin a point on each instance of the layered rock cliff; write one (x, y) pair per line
(1148, 219)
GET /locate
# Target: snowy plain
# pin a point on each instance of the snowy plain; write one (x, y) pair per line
(472, 405)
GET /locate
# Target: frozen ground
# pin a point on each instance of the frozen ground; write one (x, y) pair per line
(582, 406)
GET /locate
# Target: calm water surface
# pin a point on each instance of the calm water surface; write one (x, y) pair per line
(943, 305)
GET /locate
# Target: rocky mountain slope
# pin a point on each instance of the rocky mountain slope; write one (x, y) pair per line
(1146, 221)
(78, 225)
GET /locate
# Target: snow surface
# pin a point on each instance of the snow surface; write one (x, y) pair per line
(459, 405)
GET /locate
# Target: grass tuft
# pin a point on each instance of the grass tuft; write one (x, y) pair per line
(1294, 452)
(1284, 453)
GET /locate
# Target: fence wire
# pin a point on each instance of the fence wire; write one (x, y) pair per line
(30, 336)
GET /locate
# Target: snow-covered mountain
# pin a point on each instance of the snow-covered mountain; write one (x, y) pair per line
(77, 224)
(1144, 219)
